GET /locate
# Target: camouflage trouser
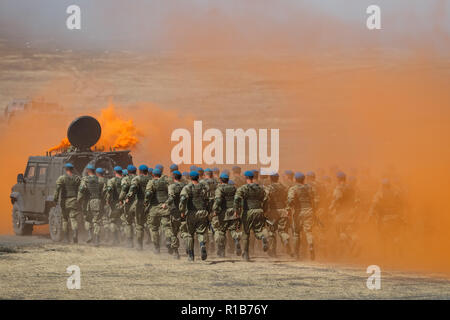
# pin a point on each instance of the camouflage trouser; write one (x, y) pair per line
(139, 218)
(114, 219)
(127, 222)
(159, 218)
(196, 223)
(105, 220)
(277, 222)
(302, 222)
(69, 214)
(221, 227)
(176, 224)
(253, 219)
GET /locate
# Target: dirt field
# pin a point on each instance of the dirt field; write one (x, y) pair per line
(35, 268)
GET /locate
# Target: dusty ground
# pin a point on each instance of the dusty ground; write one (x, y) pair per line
(35, 268)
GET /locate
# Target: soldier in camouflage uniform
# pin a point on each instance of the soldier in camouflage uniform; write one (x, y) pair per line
(277, 216)
(158, 216)
(194, 207)
(238, 179)
(91, 190)
(300, 204)
(387, 211)
(135, 196)
(216, 173)
(212, 184)
(173, 201)
(127, 215)
(100, 172)
(87, 216)
(66, 191)
(249, 206)
(288, 179)
(224, 219)
(112, 192)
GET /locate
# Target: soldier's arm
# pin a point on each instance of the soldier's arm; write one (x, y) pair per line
(184, 197)
(290, 203)
(59, 184)
(171, 195)
(239, 199)
(134, 187)
(217, 200)
(123, 190)
(81, 191)
(337, 196)
(149, 191)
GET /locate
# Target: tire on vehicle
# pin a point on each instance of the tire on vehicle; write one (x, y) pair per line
(19, 226)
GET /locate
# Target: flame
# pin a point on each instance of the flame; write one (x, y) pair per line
(64, 144)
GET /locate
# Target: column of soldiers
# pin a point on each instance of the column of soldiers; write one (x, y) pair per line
(209, 208)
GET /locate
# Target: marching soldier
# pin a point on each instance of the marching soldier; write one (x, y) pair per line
(194, 207)
(300, 204)
(277, 215)
(248, 205)
(157, 207)
(66, 191)
(127, 215)
(91, 191)
(224, 219)
(173, 201)
(211, 184)
(100, 172)
(135, 196)
(113, 188)
(87, 216)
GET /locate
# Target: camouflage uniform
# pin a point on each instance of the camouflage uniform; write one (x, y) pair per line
(66, 191)
(127, 215)
(249, 204)
(176, 222)
(224, 219)
(194, 205)
(277, 216)
(91, 190)
(211, 183)
(112, 192)
(239, 180)
(300, 203)
(135, 196)
(105, 216)
(156, 200)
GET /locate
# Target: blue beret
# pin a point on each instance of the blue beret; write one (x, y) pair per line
(289, 172)
(199, 169)
(255, 171)
(340, 175)
(193, 168)
(90, 167)
(249, 174)
(185, 173)
(208, 170)
(143, 167)
(176, 172)
(173, 167)
(131, 168)
(159, 166)
(299, 175)
(310, 174)
(215, 169)
(125, 171)
(157, 172)
(117, 168)
(224, 176)
(150, 169)
(193, 174)
(68, 165)
(231, 182)
(100, 170)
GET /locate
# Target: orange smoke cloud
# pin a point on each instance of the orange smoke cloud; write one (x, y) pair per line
(64, 144)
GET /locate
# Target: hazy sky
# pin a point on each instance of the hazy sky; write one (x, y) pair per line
(118, 24)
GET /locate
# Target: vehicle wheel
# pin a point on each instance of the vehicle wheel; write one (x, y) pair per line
(19, 225)
(55, 223)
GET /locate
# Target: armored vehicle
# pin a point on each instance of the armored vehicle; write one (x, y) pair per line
(32, 195)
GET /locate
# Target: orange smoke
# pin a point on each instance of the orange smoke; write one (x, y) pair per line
(117, 133)
(64, 144)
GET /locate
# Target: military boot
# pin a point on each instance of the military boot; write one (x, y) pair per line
(296, 252)
(175, 253)
(221, 251)
(89, 239)
(66, 237)
(140, 243)
(115, 238)
(265, 244)
(97, 240)
(169, 247)
(191, 255)
(311, 252)
(130, 242)
(106, 237)
(204, 254)
(245, 255)
(287, 247)
(75, 236)
(238, 247)
(149, 237)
